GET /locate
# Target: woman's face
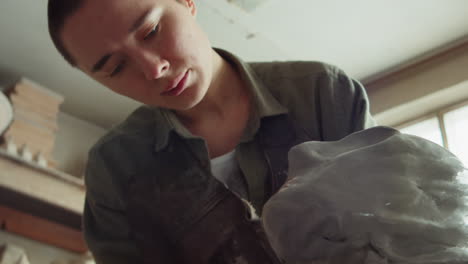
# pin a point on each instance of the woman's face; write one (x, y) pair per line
(150, 50)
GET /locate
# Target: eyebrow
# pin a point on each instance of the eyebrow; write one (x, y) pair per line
(102, 61)
(140, 20)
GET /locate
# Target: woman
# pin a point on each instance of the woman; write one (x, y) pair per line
(175, 182)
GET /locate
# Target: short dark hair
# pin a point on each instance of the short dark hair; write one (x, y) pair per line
(57, 12)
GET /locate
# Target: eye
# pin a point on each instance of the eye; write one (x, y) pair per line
(152, 32)
(117, 69)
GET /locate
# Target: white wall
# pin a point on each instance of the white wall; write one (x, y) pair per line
(73, 140)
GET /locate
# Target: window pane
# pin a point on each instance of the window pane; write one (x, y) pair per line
(428, 129)
(456, 124)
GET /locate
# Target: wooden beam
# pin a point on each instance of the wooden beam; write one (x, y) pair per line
(41, 230)
(39, 208)
(440, 79)
(417, 65)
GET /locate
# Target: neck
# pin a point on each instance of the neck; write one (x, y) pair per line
(226, 90)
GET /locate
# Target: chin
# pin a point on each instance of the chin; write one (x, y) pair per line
(196, 98)
(190, 105)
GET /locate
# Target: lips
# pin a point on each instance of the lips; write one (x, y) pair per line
(177, 86)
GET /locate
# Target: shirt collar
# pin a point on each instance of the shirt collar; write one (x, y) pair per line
(263, 101)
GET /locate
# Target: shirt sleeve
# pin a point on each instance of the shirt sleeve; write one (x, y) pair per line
(343, 105)
(106, 229)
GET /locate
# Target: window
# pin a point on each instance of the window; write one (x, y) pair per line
(447, 127)
(456, 125)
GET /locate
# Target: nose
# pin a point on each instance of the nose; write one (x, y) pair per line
(151, 64)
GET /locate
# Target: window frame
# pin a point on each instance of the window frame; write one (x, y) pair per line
(439, 114)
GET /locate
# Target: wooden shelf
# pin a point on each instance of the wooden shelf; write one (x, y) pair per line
(42, 230)
(41, 204)
(51, 186)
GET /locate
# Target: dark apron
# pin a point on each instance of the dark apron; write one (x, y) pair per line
(188, 216)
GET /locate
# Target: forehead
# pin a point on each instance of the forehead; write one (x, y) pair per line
(99, 26)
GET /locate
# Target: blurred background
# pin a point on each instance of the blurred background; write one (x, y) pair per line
(412, 57)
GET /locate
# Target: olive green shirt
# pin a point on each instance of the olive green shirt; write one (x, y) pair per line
(328, 105)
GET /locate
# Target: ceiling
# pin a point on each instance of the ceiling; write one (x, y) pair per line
(364, 37)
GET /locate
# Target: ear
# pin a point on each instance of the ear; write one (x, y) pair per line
(191, 6)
